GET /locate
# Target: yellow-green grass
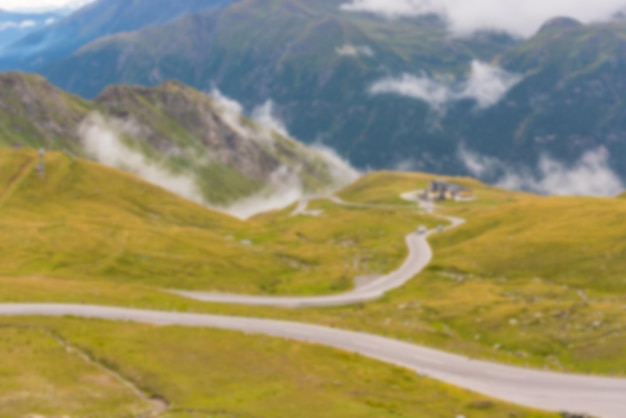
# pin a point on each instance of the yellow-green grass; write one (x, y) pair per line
(213, 373)
(39, 376)
(468, 301)
(87, 222)
(536, 324)
(575, 242)
(542, 279)
(386, 187)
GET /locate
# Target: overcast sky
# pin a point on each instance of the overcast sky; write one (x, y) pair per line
(39, 4)
(519, 17)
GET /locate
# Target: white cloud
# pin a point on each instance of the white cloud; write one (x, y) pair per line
(101, 140)
(518, 17)
(340, 168)
(285, 185)
(591, 175)
(486, 85)
(264, 115)
(41, 5)
(284, 189)
(349, 50)
(231, 111)
(24, 24)
(422, 87)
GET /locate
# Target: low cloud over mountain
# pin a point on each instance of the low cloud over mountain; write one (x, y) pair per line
(486, 85)
(591, 175)
(518, 17)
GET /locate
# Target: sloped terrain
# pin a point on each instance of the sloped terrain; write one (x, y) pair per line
(34, 113)
(95, 20)
(172, 135)
(85, 222)
(316, 62)
(566, 103)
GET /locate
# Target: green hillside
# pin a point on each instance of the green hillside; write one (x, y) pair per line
(530, 280)
(547, 270)
(86, 222)
(566, 103)
(172, 372)
(34, 113)
(170, 133)
(91, 234)
(322, 94)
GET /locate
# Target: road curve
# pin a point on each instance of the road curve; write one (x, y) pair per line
(420, 255)
(602, 397)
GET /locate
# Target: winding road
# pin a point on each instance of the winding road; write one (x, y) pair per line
(601, 397)
(420, 255)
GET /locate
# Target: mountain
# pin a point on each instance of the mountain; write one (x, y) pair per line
(567, 108)
(34, 113)
(316, 62)
(569, 102)
(95, 20)
(396, 93)
(172, 135)
(16, 25)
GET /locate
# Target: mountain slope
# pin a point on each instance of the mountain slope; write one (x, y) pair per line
(35, 113)
(16, 25)
(319, 65)
(101, 18)
(172, 135)
(316, 62)
(82, 222)
(570, 101)
(230, 156)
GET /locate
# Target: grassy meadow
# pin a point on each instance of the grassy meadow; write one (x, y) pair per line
(528, 280)
(212, 373)
(86, 222)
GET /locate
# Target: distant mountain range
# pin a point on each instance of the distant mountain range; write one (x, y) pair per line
(385, 93)
(171, 135)
(14, 25)
(95, 20)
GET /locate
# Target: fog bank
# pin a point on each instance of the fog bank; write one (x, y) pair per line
(591, 175)
(486, 85)
(518, 17)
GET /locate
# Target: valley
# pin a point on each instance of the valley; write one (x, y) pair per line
(296, 208)
(524, 320)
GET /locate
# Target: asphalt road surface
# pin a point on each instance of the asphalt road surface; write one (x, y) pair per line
(599, 396)
(602, 397)
(420, 255)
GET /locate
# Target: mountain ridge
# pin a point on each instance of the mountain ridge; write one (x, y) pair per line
(390, 94)
(184, 140)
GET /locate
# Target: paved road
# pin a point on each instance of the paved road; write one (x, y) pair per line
(598, 396)
(420, 255)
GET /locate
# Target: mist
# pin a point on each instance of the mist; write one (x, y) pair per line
(349, 50)
(264, 116)
(518, 17)
(591, 175)
(486, 85)
(285, 185)
(24, 24)
(34, 6)
(101, 140)
(284, 189)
